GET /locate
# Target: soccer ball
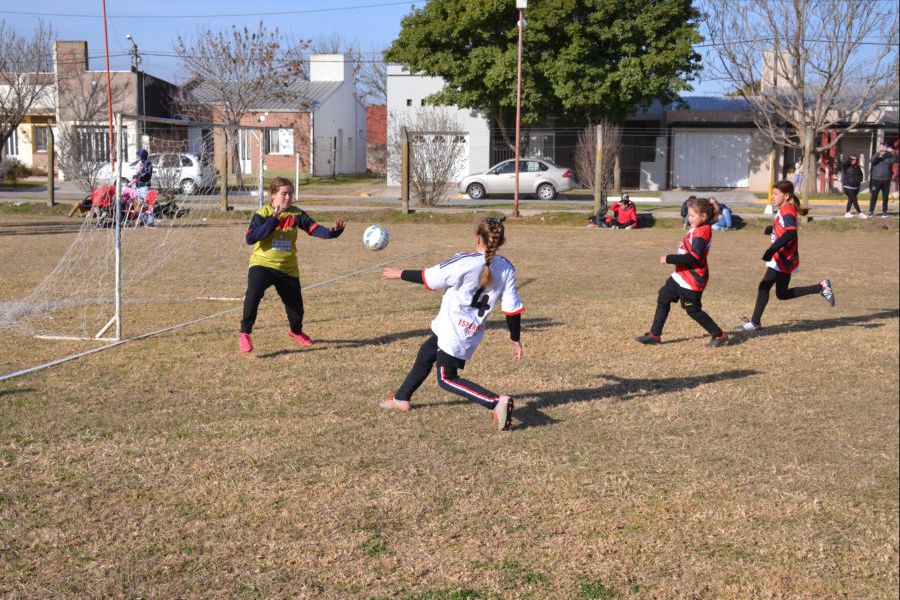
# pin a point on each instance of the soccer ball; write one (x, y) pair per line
(376, 237)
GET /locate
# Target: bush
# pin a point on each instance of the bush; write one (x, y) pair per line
(12, 170)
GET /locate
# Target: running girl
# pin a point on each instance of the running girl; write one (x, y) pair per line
(690, 277)
(474, 283)
(783, 257)
(273, 233)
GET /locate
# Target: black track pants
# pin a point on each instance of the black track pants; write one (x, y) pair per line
(259, 279)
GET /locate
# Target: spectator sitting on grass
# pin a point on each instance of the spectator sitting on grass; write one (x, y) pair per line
(724, 214)
(624, 215)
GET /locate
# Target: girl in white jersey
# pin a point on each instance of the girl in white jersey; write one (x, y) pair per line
(474, 283)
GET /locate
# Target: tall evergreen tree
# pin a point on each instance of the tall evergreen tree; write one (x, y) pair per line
(584, 60)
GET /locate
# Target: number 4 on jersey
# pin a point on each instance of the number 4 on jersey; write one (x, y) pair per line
(480, 301)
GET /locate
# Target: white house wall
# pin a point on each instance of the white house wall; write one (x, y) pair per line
(340, 113)
(405, 96)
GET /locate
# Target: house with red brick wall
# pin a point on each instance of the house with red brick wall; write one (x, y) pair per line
(376, 138)
(319, 125)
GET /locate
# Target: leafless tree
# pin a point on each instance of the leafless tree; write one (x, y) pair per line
(235, 71)
(806, 66)
(586, 154)
(369, 71)
(436, 151)
(26, 81)
(373, 79)
(83, 146)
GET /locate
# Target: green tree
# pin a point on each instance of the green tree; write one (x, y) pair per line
(584, 60)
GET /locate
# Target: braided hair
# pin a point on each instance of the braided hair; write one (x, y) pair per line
(491, 233)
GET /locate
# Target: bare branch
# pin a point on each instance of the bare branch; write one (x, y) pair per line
(26, 81)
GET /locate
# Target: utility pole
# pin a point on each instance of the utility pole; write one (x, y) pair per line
(404, 171)
(521, 5)
(599, 195)
(51, 163)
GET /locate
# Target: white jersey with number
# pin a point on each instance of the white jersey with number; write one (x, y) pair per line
(465, 307)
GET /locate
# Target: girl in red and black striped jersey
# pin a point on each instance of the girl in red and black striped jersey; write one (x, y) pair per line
(783, 257)
(690, 277)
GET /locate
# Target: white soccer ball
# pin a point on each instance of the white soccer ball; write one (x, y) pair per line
(376, 237)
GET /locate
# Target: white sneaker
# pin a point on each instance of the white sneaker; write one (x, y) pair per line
(748, 326)
(885, 216)
(848, 215)
(863, 216)
(502, 413)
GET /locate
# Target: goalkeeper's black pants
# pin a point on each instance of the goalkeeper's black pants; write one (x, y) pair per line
(259, 279)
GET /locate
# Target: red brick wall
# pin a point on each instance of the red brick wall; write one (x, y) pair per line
(376, 124)
(298, 121)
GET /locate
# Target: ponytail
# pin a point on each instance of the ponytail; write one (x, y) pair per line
(787, 188)
(491, 232)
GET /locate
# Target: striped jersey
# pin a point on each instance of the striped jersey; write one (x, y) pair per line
(465, 307)
(696, 243)
(787, 259)
(279, 250)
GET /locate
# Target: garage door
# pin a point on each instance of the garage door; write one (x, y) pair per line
(711, 159)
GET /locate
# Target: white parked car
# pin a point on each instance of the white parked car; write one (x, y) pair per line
(180, 171)
(536, 176)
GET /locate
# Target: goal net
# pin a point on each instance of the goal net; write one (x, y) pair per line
(163, 257)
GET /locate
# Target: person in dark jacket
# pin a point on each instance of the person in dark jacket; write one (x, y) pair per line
(880, 181)
(851, 179)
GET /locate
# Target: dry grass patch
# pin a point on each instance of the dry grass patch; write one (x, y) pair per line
(174, 467)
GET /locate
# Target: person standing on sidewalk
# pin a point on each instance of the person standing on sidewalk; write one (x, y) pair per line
(880, 181)
(851, 179)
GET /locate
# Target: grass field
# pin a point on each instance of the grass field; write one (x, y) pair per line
(174, 467)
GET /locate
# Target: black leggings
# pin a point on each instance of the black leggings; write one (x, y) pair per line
(851, 198)
(447, 376)
(883, 186)
(690, 301)
(782, 291)
(259, 279)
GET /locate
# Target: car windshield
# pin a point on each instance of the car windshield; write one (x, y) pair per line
(502, 168)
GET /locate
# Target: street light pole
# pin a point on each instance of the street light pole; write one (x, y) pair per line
(521, 5)
(136, 69)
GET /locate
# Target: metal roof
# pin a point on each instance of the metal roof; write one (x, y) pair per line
(297, 96)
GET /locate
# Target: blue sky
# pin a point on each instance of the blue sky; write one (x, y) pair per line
(375, 25)
(155, 25)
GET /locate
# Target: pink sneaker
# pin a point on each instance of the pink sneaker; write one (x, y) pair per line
(301, 338)
(245, 344)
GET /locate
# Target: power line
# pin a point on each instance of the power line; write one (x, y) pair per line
(146, 17)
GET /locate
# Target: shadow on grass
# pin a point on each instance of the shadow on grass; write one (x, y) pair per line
(527, 324)
(15, 391)
(863, 321)
(530, 406)
(31, 228)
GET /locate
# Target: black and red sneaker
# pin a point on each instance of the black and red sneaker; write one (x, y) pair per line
(719, 341)
(648, 338)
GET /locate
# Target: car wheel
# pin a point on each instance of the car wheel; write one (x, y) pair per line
(475, 191)
(546, 191)
(188, 186)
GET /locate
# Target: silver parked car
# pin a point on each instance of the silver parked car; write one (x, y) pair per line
(536, 176)
(180, 171)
